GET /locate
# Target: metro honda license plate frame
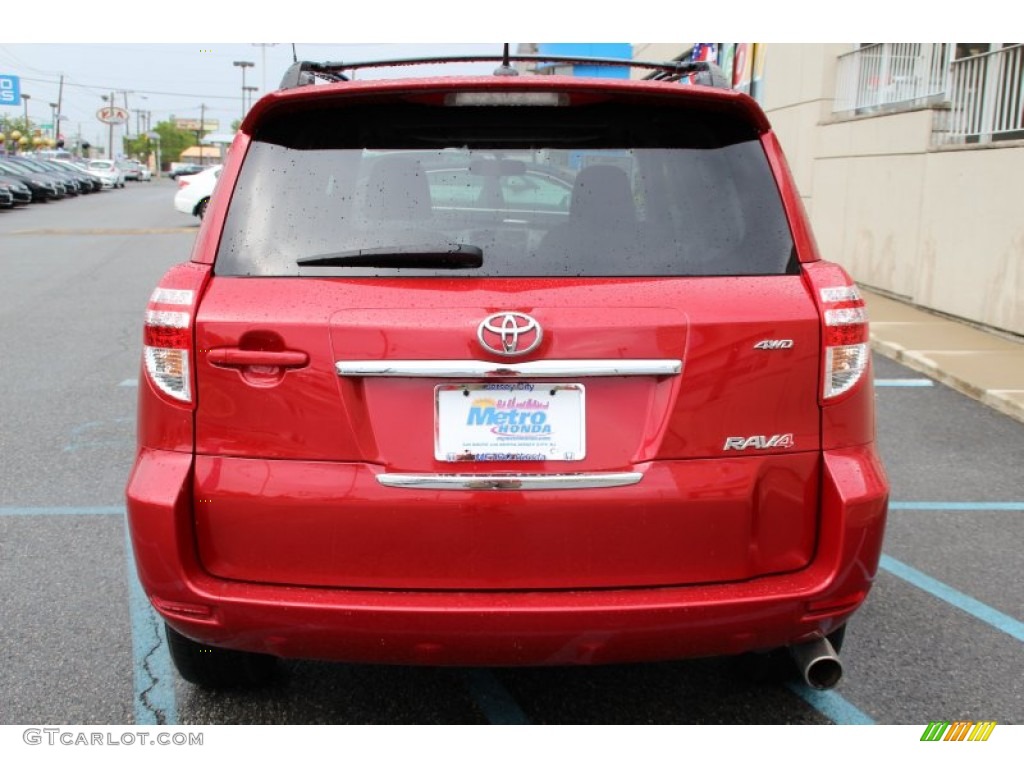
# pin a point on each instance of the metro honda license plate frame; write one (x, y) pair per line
(514, 421)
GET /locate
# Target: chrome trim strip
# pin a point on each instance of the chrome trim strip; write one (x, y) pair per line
(482, 369)
(509, 482)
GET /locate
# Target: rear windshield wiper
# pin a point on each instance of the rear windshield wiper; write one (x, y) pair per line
(452, 256)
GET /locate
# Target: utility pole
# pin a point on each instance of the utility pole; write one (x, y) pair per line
(60, 105)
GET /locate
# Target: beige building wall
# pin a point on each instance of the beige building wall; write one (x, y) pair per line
(941, 227)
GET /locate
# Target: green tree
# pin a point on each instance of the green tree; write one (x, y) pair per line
(173, 141)
(140, 147)
(10, 123)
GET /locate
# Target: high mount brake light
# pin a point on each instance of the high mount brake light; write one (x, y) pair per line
(167, 338)
(506, 99)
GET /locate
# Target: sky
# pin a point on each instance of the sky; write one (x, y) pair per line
(176, 79)
(144, 59)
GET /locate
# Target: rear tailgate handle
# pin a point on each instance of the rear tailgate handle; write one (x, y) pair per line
(235, 357)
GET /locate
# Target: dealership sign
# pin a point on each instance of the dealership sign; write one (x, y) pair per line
(10, 90)
(191, 124)
(113, 115)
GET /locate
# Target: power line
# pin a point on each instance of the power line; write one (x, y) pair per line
(107, 88)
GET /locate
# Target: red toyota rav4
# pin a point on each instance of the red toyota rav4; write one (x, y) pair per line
(504, 371)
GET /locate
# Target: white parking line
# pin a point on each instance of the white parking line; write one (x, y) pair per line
(904, 383)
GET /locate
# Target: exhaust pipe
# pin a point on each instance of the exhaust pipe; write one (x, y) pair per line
(818, 663)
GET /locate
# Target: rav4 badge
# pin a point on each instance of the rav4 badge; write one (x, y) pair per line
(760, 442)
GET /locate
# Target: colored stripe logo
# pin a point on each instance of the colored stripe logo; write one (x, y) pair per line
(960, 730)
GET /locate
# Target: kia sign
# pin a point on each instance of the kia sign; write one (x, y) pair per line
(113, 115)
(10, 90)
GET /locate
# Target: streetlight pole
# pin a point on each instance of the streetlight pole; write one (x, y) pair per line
(263, 66)
(250, 90)
(28, 126)
(53, 120)
(244, 65)
(60, 105)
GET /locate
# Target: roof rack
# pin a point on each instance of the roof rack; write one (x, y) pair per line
(306, 72)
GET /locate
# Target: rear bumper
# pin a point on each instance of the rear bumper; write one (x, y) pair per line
(505, 627)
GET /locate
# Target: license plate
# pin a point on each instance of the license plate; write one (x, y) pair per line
(518, 421)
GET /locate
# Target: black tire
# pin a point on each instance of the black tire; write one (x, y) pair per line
(201, 208)
(217, 668)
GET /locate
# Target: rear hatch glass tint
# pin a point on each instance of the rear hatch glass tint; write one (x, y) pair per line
(418, 190)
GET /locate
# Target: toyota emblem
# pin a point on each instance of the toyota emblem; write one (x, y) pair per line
(509, 333)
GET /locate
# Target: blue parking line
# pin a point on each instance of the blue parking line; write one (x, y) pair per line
(153, 674)
(966, 603)
(960, 506)
(36, 511)
(493, 698)
(831, 705)
(904, 383)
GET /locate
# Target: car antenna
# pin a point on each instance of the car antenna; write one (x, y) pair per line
(506, 69)
(295, 56)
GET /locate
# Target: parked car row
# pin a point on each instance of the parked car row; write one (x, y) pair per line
(28, 179)
(34, 180)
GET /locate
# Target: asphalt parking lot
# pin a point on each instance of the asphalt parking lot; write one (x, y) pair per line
(941, 636)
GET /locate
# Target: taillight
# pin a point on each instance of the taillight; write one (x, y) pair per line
(167, 339)
(845, 339)
(183, 182)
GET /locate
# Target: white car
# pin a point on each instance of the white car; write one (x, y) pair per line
(194, 191)
(144, 173)
(107, 172)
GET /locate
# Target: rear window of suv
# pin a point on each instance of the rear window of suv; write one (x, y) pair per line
(417, 190)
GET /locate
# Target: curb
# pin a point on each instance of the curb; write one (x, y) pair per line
(915, 360)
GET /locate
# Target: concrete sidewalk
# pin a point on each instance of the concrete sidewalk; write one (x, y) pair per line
(983, 365)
